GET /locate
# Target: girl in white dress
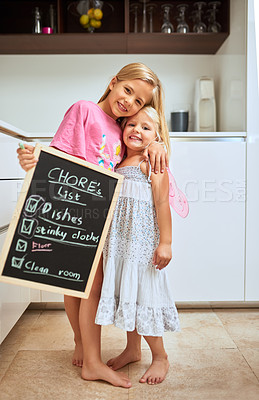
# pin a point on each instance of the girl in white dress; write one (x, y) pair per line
(135, 294)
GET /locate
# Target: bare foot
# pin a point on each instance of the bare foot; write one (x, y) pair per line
(78, 355)
(103, 372)
(157, 371)
(126, 357)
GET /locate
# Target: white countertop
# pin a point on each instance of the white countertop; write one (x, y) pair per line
(207, 134)
(17, 133)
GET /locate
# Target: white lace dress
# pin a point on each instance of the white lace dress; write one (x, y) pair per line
(134, 293)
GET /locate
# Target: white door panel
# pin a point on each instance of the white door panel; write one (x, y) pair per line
(208, 246)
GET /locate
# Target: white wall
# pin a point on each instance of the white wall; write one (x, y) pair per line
(230, 72)
(36, 90)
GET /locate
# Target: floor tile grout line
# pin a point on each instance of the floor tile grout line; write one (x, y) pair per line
(31, 326)
(4, 374)
(227, 332)
(257, 378)
(239, 350)
(9, 365)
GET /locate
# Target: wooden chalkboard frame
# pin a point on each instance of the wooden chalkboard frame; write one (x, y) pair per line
(17, 212)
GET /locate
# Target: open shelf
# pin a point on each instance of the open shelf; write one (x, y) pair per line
(112, 43)
(114, 37)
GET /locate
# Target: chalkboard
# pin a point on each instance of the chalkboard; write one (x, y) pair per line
(56, 235)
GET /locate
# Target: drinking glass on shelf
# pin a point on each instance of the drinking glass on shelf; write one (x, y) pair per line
(144, 15)
(134, 9)
(167, 26)
(150, 9)
(199, 26)
(213, 25)
(182, 26)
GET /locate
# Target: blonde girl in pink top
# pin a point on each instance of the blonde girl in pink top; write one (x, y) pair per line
(91, 131)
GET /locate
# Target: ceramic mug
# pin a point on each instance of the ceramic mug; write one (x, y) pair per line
(179, 121)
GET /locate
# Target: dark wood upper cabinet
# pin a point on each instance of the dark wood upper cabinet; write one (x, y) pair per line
(122, 31)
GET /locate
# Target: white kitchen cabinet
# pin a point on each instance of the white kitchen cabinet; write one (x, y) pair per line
(13, 299)
(9, 163)
(9, 192)
(209, 245)
(13, 302)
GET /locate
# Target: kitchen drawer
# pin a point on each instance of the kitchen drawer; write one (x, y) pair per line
(9, 191)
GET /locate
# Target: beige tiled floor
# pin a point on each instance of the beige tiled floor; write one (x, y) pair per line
(215, 356)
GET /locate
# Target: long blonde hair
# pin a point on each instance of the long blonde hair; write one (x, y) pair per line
(161, 135)
(141, 71)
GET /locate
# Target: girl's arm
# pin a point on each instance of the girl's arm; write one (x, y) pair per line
(160, 189)
(158, 157)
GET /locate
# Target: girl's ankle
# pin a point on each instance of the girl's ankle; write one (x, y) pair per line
(160, 356)
(133, 349)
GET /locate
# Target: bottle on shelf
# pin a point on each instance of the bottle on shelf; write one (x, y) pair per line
(36, 21)
(52, 18)
(50, 21)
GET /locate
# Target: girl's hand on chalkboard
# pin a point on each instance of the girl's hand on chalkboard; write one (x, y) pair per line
(158, 157)
(26, 157)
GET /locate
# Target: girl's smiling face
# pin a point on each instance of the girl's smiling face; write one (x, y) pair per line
(139, 131)
(127, 97)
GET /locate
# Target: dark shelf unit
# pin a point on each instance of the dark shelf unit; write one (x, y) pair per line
(114, 37)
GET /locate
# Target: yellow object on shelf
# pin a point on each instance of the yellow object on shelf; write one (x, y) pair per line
(90, 13)
(84, 19)
(98, 14)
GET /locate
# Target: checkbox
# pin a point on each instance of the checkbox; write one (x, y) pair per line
(17, 262)
(33, 203)
(27, 226)
(21, 245)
